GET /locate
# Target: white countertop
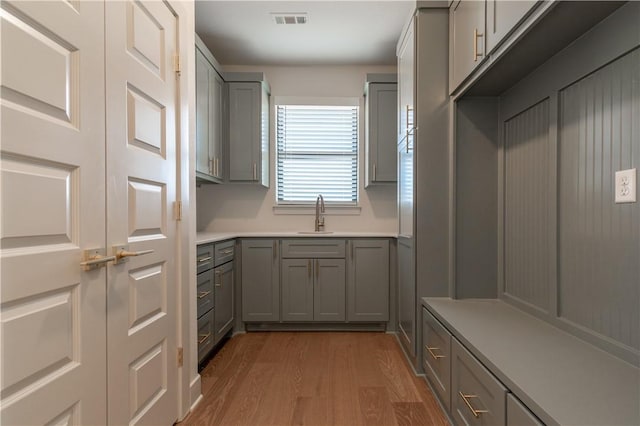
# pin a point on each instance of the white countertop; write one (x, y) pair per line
(212, 237)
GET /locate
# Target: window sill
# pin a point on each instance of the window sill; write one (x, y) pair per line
(311, 210)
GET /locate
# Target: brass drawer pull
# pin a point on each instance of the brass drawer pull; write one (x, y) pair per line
(436, 357)
(230, 251)
(204, 259)
(203, 294)
(466, 398)
(203, 338)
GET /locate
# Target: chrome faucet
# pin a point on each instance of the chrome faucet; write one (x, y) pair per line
(319, 209)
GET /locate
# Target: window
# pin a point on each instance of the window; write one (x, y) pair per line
(317, 153)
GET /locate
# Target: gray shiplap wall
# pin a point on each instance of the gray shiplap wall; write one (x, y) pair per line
(599, 248)
(526, 203)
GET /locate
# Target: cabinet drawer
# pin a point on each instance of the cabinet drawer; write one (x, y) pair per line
(224, 252)
(436, 356)
(519, 415)
(205, 335)
(477, 397)
(205, 292)
(204, 258)
(313, 248)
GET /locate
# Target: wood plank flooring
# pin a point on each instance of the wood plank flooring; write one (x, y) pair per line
(313, 378)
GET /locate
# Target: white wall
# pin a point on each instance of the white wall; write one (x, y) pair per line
(239, 207)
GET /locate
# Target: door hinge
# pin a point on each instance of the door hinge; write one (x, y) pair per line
(178, 210)
(177, 64)
(180, 357)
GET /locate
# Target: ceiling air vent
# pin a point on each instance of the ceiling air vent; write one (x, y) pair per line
(290, 18)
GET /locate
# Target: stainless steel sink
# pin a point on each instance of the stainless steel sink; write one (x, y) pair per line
(315, 232)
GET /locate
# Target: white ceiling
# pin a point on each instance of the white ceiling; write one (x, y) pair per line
(337, 33)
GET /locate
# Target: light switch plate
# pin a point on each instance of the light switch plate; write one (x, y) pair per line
(626, 186)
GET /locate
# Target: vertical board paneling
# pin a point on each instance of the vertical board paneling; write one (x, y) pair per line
(599, 249)
(526, 235)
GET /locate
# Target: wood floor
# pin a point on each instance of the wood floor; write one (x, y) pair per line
(313, 378)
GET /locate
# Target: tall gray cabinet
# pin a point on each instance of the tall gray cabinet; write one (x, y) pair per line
(422, 148)
(381, 104)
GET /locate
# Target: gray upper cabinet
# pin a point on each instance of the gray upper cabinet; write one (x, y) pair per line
(209, 117)
(368, 281)
(260, 281)
(502, 17)
(467, 19)
(248, 130)
(381, 106)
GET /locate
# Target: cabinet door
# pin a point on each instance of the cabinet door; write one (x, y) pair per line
(223, 295)
(216, 123)
(260, 281)
(382, 124)
(502, 17)
(329, 290)
(245, 120)
(368, 281)
(203, 163)
(436, 356)
(468, 20)
(205, 292)
(297, 290)
(406, 295)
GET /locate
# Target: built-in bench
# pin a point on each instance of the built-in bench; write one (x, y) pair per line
(558, 377)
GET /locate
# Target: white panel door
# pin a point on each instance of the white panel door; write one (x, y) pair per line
(142, 92)
(52, 313)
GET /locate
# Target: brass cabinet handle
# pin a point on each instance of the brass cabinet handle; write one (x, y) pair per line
(204, 259)
(203, 338)
(95, 259)
(203, 294)
(466, 398)
(217, 165)
(476, 35)
(436, 357)
(218, 279)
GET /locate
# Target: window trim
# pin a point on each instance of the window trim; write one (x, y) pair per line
(332, 208)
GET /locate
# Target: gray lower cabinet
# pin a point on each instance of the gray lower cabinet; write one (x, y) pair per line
(436, 356)
(205, 335)
(519, 415)
(313, 290)
(368, 280)
(260, 280)
(223, 295)
(477, 397)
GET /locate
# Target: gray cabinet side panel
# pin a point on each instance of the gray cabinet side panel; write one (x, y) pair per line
(476, 215)
(406, 295)
(526, 202)
(202, 113)
(599, 269)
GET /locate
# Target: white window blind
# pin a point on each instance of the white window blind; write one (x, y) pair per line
(317, 153)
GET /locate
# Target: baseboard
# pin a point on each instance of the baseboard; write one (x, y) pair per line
(409, 359)
(315, 327)
(195, 390)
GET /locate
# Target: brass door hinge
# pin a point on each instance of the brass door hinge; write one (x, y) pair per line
(180, 357)
(178, 210)
(177, 64)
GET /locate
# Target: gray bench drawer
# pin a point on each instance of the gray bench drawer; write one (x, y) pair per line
(224, 252)
(436, 356)
(477, 397)
(306, 248)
